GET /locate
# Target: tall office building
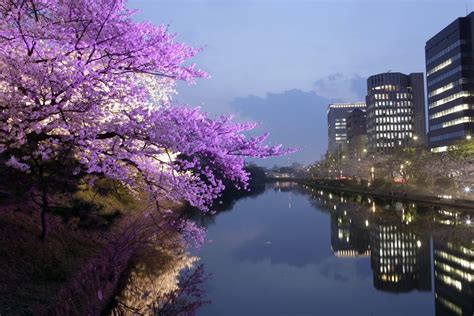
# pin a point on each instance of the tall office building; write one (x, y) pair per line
(337, 125)
(357, 134)
(450, 83)
(395, 112)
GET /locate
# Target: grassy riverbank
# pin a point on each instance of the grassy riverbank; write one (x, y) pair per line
(33, 271)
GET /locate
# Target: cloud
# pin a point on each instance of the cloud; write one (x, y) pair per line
(294, 118)
(342, 87)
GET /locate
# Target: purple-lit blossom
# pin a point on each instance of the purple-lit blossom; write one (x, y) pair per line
(82, 75)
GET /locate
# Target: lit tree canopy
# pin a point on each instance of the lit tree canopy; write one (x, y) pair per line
(81, 79)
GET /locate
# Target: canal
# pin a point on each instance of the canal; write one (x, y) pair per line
(297, 251)
(292, 250)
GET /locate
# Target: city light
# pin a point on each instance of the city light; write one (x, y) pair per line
(468, 137)
(467, 189)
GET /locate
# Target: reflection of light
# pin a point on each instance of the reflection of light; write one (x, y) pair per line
(449, 281)
(450, 305)
(461, 261)
(418, 243)
(459, 272)
(367, 222)
(446, 197)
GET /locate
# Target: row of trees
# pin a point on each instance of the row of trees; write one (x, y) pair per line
(417, 166)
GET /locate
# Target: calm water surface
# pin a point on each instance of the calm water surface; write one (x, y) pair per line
(296, 251)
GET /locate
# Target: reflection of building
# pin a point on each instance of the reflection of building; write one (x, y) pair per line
(337, 125)
(449, 56)
(400, 260)
(357, 134)
(348, 237)
(395, 111)
(454, 279)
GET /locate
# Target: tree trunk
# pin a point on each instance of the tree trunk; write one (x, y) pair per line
(44, 224)
(44, 215)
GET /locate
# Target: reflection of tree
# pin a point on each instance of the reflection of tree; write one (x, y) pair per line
(225, 203)
(154, 277)
(187, 299)
(230, 196)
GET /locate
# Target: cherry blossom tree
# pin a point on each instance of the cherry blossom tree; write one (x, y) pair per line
(86, 88)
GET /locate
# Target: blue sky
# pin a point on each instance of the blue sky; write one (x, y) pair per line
(273, 61)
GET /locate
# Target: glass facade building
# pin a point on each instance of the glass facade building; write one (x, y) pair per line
(450, 85)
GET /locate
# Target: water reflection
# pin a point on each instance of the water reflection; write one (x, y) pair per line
(164, 279)
(400, 260)
(454, 279)
(400, 253)
(349, 237)
(269, 259)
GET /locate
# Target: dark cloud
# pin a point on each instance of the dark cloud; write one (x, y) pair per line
(294, 118)
(342, 87)
(358, 85)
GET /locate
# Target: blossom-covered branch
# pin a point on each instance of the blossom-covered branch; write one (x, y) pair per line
(81, 80)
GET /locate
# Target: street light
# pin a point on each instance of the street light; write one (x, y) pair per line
(468, 137)
(467, 189)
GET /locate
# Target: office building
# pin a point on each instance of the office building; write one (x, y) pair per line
(395, 112)
(450, 84)
(337, 125)
(357, 134)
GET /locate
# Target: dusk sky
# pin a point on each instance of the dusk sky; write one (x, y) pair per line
(280, 62)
